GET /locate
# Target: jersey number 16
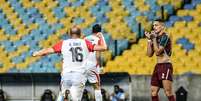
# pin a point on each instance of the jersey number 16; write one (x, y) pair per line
(77, 56)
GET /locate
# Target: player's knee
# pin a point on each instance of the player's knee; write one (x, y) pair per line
(168, 92)
(154, 92)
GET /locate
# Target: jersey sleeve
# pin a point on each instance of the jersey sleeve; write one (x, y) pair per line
(57, 47)
(90, 46)
(164, 40)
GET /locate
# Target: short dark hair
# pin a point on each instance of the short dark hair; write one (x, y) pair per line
(96, 28)
(75, 30)
(159, 20)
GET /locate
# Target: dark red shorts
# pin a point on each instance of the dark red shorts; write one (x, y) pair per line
(162, 71)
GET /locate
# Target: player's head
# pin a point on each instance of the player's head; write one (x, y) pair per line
(158, 25)
(75, 31)
(96, 28)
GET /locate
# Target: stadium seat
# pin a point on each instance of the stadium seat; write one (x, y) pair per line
(27, 26)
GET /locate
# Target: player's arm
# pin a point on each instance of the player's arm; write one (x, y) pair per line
(102, 46)
(159, 47)
(43, 52)
(150, 50)
(55, 49)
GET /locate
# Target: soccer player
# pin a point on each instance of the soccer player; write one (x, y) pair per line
(75, 52)
(93, 71)
(160, 44)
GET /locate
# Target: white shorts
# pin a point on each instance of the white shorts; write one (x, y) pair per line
(75, 83)
(93, 75)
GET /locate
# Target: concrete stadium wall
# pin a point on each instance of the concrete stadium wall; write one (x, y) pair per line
(138, 87)
(141, 87)
(30, 87)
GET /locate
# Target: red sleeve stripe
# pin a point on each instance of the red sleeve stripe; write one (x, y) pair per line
(89, 46)
(57, 47)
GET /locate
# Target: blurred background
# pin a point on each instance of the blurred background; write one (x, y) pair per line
(30, 25)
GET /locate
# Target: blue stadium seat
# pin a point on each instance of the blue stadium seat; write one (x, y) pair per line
(77, 3)
(169, 8)
(9, 46)
(188, 6)
(122, 45)
(186, 44)
(20, 10)
(182, 41)
(155, 8)
(78, 20)
(58, 11)
(168, 24)
(189, 46)
(195, 2)
(187, 18)
(150, 15)
(174, 18)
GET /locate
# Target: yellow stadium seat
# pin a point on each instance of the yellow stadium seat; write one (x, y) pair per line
(180, 24)
(192, 25)
(193, 13)
(176, 3)
(182, 12)
(198, 8)
(163, 2)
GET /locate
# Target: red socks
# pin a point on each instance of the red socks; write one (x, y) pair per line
(154, 98)
(171, 98)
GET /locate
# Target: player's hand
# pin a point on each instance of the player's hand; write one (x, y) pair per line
(153, 35)
(99, 35)
(148, 35)
(35, 54)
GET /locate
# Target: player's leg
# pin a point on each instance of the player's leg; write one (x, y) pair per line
(166, 76)
(155, 84)
(76, 92)
(78, 85)
(97, 91)
(66, 84)
(94, 79)
(154, 93)
(167, 85)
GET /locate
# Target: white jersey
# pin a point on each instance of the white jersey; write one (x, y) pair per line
(75, 54)
(92, 55)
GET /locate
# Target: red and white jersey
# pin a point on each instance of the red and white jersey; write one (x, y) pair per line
(75, 54)
(92, 55)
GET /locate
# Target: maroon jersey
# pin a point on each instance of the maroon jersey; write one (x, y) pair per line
(165, 41)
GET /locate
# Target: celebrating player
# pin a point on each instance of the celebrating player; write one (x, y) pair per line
(75, 52)
(160, 44)
(93, 74)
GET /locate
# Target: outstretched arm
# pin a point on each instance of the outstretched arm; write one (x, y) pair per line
(55, 49)
(43, 52)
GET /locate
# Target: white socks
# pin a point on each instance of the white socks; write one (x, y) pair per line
(98, 95)
(60, 97)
